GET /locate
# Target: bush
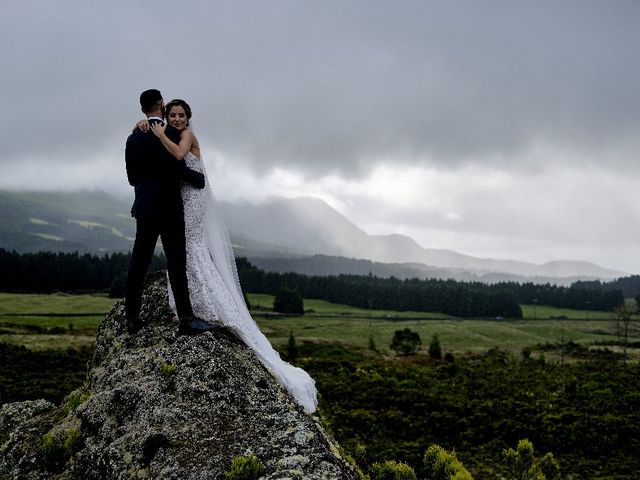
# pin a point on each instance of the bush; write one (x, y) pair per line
(435, 351)
(167, 369)
(442, 465)
(245, 468)
(292, 349)
(372, 344)
(522, 464)
(288, 301)
(392, 470)
(54, 451)
(72, 442)
(405, 342)
(75, 399)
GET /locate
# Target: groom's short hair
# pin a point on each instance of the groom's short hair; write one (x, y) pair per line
(149, 99)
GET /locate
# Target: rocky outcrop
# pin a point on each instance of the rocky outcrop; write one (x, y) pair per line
(158, 405)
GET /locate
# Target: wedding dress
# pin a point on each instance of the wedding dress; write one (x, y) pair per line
(214, 288)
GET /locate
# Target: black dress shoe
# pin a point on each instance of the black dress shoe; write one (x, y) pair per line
(194, 326)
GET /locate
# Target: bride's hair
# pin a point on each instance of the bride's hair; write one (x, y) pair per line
(177, 102)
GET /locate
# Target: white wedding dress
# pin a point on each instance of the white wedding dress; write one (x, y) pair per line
(214, 289)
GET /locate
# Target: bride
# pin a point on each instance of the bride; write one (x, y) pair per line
(214, 288)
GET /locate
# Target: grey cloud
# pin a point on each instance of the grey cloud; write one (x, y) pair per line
(329, 86)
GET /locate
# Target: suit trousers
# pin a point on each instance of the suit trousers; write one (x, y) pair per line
(170, 229)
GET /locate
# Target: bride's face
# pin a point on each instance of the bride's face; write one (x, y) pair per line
(177, 117)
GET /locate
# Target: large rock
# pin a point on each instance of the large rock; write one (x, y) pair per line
(159, 405)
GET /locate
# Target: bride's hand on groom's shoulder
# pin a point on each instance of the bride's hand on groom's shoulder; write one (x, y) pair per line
(158, 129)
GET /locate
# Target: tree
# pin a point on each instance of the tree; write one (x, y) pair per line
(440, 464)
(292, 349)
(522, 464)
(118, 286)
(288, 301)
(623, 319)
(435, 351)
(392, 470)
(372, 344)
(405, 342)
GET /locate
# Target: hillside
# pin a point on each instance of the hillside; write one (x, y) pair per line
(97, 222)
(64, 222)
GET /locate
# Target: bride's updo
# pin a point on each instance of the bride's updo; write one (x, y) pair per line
(177, 102)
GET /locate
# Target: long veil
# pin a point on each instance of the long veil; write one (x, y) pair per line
(295, 380)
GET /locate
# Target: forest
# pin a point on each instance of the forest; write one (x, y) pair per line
(72, 272)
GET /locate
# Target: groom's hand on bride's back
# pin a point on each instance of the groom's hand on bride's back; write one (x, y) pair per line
(191, 176)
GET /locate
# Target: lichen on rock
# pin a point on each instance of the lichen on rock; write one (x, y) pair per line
(163, 406)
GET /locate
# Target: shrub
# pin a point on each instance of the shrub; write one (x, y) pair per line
(392, 470)
(522, 464)
(435, 351)
(292, 349)
(245, 468)
(360, 454)
(405, 342)
(72, 442)
(167, 369)
(75, 399)
(372, 344)
(54, 451)
(440, 464)
(288, 301)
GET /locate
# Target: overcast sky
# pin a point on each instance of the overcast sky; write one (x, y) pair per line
(503, 129)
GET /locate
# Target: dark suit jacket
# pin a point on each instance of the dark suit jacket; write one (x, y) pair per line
(155, 174)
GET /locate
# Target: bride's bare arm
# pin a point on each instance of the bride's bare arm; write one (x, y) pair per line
(179, 150)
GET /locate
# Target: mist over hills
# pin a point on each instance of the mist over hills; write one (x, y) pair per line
(278, 234)
(310, 226)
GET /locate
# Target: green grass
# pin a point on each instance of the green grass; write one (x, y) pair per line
(262, 301)
(47, 236)
(331, 323)
(79, 323)
(54, 303)
(544, 311)
(34, 332)
(43, 342)
(456, 336)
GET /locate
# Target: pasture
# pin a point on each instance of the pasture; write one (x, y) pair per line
(58, 321)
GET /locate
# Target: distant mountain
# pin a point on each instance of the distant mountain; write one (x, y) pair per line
(279, 228)
(310, 226)
(325, 265)
(65, 222)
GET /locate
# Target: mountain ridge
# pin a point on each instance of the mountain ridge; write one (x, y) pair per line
(97, 222)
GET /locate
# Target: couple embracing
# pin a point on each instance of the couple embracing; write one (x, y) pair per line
(174, 201)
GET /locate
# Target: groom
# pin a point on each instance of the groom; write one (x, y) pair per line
(155, 175)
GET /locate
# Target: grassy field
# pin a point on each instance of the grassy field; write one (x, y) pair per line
(314, 306)
(68, 328)
(54, 303)
(330, 323)
(544, 311)
(456, 336)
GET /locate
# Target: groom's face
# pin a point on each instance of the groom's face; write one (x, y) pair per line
(162, 108)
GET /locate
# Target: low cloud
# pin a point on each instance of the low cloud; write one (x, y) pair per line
(331, 87)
